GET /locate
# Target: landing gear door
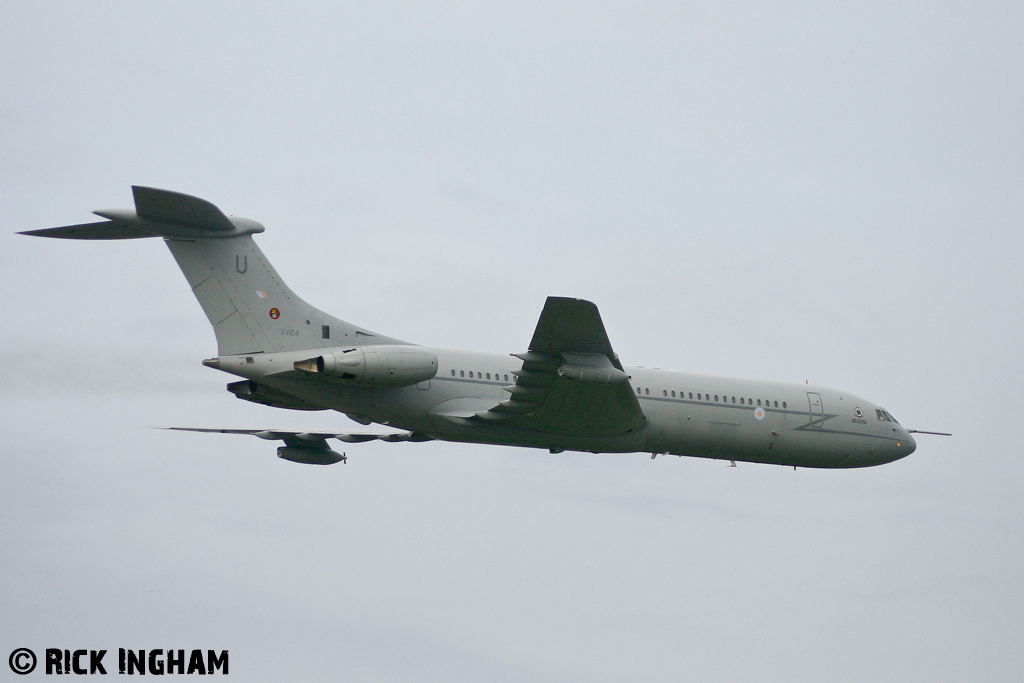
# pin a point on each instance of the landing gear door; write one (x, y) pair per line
(817, 410)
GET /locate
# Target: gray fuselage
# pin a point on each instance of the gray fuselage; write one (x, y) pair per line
(687, 414)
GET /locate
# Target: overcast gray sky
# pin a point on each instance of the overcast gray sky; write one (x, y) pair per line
(784, 191)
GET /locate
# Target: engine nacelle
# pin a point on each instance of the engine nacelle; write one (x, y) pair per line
(590, 367)
(589, 373)
(382, 366)
(309, 456)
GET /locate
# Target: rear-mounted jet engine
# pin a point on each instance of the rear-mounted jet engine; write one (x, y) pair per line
(381, 366)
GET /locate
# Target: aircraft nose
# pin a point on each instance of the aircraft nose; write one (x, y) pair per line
(905, 446)
(891, 451)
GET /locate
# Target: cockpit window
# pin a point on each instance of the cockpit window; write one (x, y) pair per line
(885, 416)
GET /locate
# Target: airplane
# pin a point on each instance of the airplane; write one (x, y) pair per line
(568, 391)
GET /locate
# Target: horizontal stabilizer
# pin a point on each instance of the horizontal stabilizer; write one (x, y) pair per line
(157, 213)
(104, 230)
(174, 207)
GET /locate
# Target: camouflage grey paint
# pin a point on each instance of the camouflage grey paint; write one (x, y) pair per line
(268, 335)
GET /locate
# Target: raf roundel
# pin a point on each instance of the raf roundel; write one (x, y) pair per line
(274, 313)
(759, 413)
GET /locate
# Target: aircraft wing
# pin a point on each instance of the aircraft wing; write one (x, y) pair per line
(301, 439)
(571, 382)
(310, 448)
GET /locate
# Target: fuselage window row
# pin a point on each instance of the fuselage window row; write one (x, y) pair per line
(481, 375)
(645, 391)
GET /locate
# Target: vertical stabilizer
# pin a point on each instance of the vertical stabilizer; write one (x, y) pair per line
(251, 309)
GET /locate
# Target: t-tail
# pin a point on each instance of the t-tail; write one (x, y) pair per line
(250, 307)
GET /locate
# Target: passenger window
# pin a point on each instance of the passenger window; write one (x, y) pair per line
(716, 398)
(462, 373)
(506, 378)
(488, 375)
(691, 394)
(733, 399)
(664, 392)
(647, 392)
(776, 404)
(758, 401)
(673, 394)
(783, 404)
(741, 400)
(453, 373)
(699, 398)
(638, 391)
(471, 374)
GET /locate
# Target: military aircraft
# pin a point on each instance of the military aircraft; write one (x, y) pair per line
(566, 391)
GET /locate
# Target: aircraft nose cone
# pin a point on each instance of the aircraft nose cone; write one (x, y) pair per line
(905, 445)
(891, 451)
